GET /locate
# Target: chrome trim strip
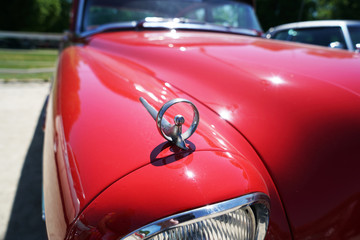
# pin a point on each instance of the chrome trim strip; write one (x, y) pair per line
(79, 17)
(256, 201)
(347, 37)
(167, 26)
(108, 27)
(42, 204)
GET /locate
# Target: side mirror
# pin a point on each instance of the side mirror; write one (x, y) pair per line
(337, 45)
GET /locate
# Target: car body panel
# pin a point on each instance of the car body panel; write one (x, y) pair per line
(152, 192)
(319, 87)
(277, 118)
(80, 90)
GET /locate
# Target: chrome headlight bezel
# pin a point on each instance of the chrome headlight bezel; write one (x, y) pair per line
(258, 203)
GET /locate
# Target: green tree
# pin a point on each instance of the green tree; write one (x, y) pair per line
(63, 21)
(337, 9)
(275, 12)
(33, 15)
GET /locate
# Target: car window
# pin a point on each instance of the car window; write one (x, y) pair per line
(354, 34)
(322, 36)
(225, 13)
(283, 35)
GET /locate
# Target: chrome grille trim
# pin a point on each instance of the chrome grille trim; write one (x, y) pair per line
(257, 203)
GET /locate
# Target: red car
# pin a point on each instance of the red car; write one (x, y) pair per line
(176, 120)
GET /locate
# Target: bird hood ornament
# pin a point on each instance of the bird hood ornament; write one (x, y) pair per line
(173, 132)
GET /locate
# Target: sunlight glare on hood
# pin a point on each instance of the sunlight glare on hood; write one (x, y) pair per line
(150, 94)
(225, 114)
(276, 80)
(190, 174)
(172, 34)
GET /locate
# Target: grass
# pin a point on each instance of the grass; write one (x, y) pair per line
(26, 59)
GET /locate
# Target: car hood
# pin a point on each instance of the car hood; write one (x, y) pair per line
(297, 107)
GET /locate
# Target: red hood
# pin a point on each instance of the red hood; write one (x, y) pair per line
(297, 107)
(106, 134)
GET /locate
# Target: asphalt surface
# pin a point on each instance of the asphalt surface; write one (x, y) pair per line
(21, 139)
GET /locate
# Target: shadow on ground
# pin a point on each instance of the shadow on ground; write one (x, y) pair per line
(26, 214)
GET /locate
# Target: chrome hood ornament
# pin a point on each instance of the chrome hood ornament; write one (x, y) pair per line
(173, 133)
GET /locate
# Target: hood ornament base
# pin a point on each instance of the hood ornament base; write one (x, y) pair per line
(173, 133)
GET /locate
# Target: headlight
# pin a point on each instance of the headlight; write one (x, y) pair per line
(245, 218)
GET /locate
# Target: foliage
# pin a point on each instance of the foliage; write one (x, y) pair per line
(34, 15)
(53, 15)
(63, 21)
(337, 9)
(275, 12)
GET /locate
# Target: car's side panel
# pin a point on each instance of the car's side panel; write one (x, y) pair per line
(54, 209)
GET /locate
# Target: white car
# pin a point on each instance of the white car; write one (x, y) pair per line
(343, 34)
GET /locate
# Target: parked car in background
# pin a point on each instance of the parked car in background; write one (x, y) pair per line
(342, 34)
(173, 119)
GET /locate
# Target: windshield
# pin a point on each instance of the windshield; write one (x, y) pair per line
(235, 14)
(355, 35)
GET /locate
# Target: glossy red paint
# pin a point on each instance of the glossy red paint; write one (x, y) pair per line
(104, 97)
(166, 186)
(295, 107)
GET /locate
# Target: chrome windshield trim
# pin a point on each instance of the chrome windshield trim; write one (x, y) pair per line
(198, 26)
(79, 17)
(168, 26)
(110, 27)
(156, 23)
(254, 200)
(347, 37)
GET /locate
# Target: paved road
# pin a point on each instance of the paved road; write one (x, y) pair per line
(21, 139)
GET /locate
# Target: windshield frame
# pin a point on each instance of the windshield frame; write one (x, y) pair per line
(78, 24)
(351, 34)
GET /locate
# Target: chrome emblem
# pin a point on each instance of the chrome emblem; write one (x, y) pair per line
(173, 133)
